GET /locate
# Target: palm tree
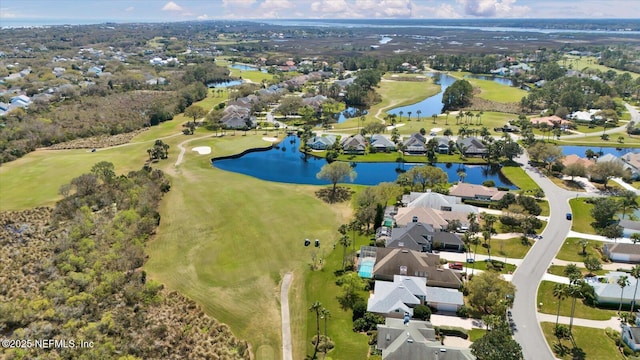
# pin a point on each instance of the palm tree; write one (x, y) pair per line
(400, 113)
(434, 116)
(316, 307)
(583, 243)
(446, 119)
(419, 112)
(409, 115)
(479, 116)
(623, 282)
(486, 235)
(628, 201)
(635, 272)
(462, 175)
(560, 292)
(459, 117)
(575, 292)
(345, 241)
(325, 314)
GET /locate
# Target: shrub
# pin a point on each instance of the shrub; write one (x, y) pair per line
(359, 309)
(463, 311)
(452, 331)
(489, 183)
(422, 312)
(367, 322)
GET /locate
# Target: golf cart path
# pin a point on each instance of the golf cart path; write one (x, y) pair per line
(287, 353)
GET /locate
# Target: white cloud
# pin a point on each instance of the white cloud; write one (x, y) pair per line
(129, 9)
(171, 6)
(273, 5)
(238, 3)
(495, 8)
(330, 6)
(203, 17)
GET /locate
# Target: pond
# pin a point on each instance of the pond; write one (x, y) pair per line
(497, 79)
(350, 112)
(285, 163)
(244, 67)
(224, 84)
(580, 150)
(429, 106)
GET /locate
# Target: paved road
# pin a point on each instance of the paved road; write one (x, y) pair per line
(287, 348)
(528, 275)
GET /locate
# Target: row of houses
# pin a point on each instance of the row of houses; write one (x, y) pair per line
(413, 145)
(630, 162)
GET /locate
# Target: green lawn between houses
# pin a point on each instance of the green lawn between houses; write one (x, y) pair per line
(581, 211)
(493, 91)
(571, 250)
(595, 344)
(550, 305)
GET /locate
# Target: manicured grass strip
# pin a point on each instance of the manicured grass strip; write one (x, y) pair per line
(589, 62)
(550, 305)
(321, 286)
(475, 334)
(501, 248)
(594, 343)
(559, 270)
(494, 91)
(519, 177)
(571, 250)
(581, 211)
(544, 207)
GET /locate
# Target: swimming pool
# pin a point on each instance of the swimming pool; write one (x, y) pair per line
(365, 269)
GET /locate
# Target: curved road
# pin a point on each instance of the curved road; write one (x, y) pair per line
(528, 275)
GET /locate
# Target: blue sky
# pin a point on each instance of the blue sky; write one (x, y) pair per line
(182, 10)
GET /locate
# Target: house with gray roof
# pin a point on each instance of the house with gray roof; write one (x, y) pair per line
(631, 334)
(322, 142)
(398, 261)
(402, 339)
(356, 144)
(422, 237)
(396, 298)
(629, 227)
(471, 146)
(437, 201)
(444, 299)
(622, 252)
(415, 145)
(381, 143)
(608, 292)
(442, 146)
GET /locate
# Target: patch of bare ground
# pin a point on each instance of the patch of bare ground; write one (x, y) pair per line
(97, 142)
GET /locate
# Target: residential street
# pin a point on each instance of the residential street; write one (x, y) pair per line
(528, 275)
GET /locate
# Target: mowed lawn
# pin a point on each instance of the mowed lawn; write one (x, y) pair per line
(582, 219)
(550, 305)
(520, 178)
(226, 240)
(571, 250)
(595, 343)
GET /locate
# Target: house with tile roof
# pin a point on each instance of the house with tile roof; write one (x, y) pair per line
(608, 292)
(423, 237)
(355, 144)
(381, 143)
(322, 142)
(471, 146)
(467, 191)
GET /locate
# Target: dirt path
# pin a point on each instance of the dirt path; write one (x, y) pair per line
(287, 353)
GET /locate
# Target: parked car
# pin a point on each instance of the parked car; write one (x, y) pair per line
(569, 216)
(456, 266)
(470, 260)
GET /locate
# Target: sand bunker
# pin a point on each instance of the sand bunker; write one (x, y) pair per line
(202, 150)
(391, 127)
(436, 130)
(270, 139)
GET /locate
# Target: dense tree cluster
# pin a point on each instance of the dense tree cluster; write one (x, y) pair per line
(458, 95)
(74, 272)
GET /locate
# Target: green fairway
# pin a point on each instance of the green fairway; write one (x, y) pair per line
(226, 239)
(394, 94)
(550, 305)
(493, 91)
(589, 62)
(594, 343)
